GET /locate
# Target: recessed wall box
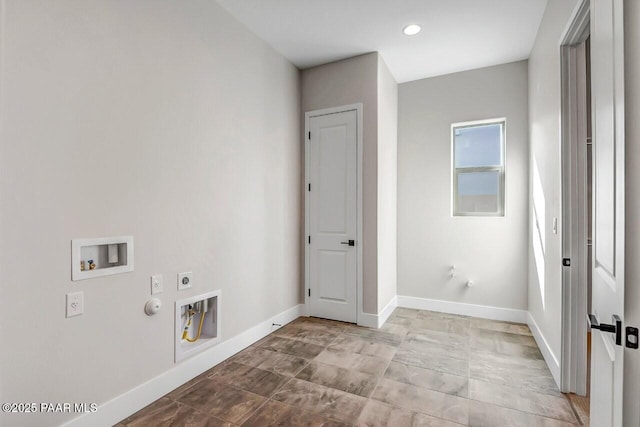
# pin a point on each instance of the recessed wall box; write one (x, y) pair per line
(101, 256)
(207, 306)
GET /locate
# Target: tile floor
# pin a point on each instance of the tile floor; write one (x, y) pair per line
(420, 369)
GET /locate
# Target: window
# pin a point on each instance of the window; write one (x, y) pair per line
(478, 168)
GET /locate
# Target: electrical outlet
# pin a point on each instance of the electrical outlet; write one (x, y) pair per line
(75, 304)
(156, 284)
(185, 281)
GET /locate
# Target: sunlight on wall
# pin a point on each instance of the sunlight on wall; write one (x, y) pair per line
(538, 219)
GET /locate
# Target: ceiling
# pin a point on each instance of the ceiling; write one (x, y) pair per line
(456, 35)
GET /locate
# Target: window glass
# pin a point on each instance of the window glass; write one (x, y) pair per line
(478, 168)
(478, 146)
(478, 191)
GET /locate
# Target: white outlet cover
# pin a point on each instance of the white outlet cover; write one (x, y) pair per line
(156, 284)
(185, 280)
(75, 304)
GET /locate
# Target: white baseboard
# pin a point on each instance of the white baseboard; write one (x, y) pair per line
(135, 399)
(377, 320)
(545, 349)
(483, 311)
(368, 320)
(387, 310)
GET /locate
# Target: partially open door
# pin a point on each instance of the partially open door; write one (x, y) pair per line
(607, 84)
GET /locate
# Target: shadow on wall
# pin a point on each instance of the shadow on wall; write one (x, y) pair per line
(538, 219)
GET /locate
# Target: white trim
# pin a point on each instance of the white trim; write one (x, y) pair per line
(545, 349)
(122, 406)
(387, 310)
(358, 107)
(577, 24)
(376, 321)
(368, 320)
(573, 191)
(483, 311)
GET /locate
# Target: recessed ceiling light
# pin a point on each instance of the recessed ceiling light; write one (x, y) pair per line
(411, 30)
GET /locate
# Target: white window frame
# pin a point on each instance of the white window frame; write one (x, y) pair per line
(490, 168)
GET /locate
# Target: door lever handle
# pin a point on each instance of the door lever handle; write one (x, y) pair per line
(348, 242)
(604, 327)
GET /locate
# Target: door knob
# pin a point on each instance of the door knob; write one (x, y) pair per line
(604, 327)
(349, 242)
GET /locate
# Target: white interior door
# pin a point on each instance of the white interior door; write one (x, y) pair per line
(332, 216)
(607, 78)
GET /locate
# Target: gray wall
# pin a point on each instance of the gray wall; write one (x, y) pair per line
(165, 120)
(632, 242)
(490, 251)
(545, 274)
(387, 184)
(346, 82)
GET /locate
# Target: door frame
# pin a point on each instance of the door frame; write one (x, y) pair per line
(573, 363)
(573, 358)
(357, 107)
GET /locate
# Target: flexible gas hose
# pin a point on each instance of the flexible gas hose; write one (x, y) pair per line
(185, 334)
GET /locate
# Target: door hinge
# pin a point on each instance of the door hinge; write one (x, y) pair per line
(309, 136)
(309, 239)
(566, 262)
(309, 291)
(309, 186)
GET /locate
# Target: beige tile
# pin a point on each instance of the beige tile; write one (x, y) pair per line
(504, 336)
(436, 360)
(395, 329)
(512, 371)
(376, 335)
(331, 403)
(273, 361)
(399, 321)
(405, 312)
(458, 326)
(377, 414)
(314, 323)
(478, 343)
(495, 325)
(274, 413)
(339, 378)
(438, 338)
(313, 336)
(491, 360)
(522, 399)
(222, 401)
(437, 344)
(428, 378)
(359, 345)
(289, 346)
(353, 361)
(486, 415)
(247, 378)
(452, 408)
